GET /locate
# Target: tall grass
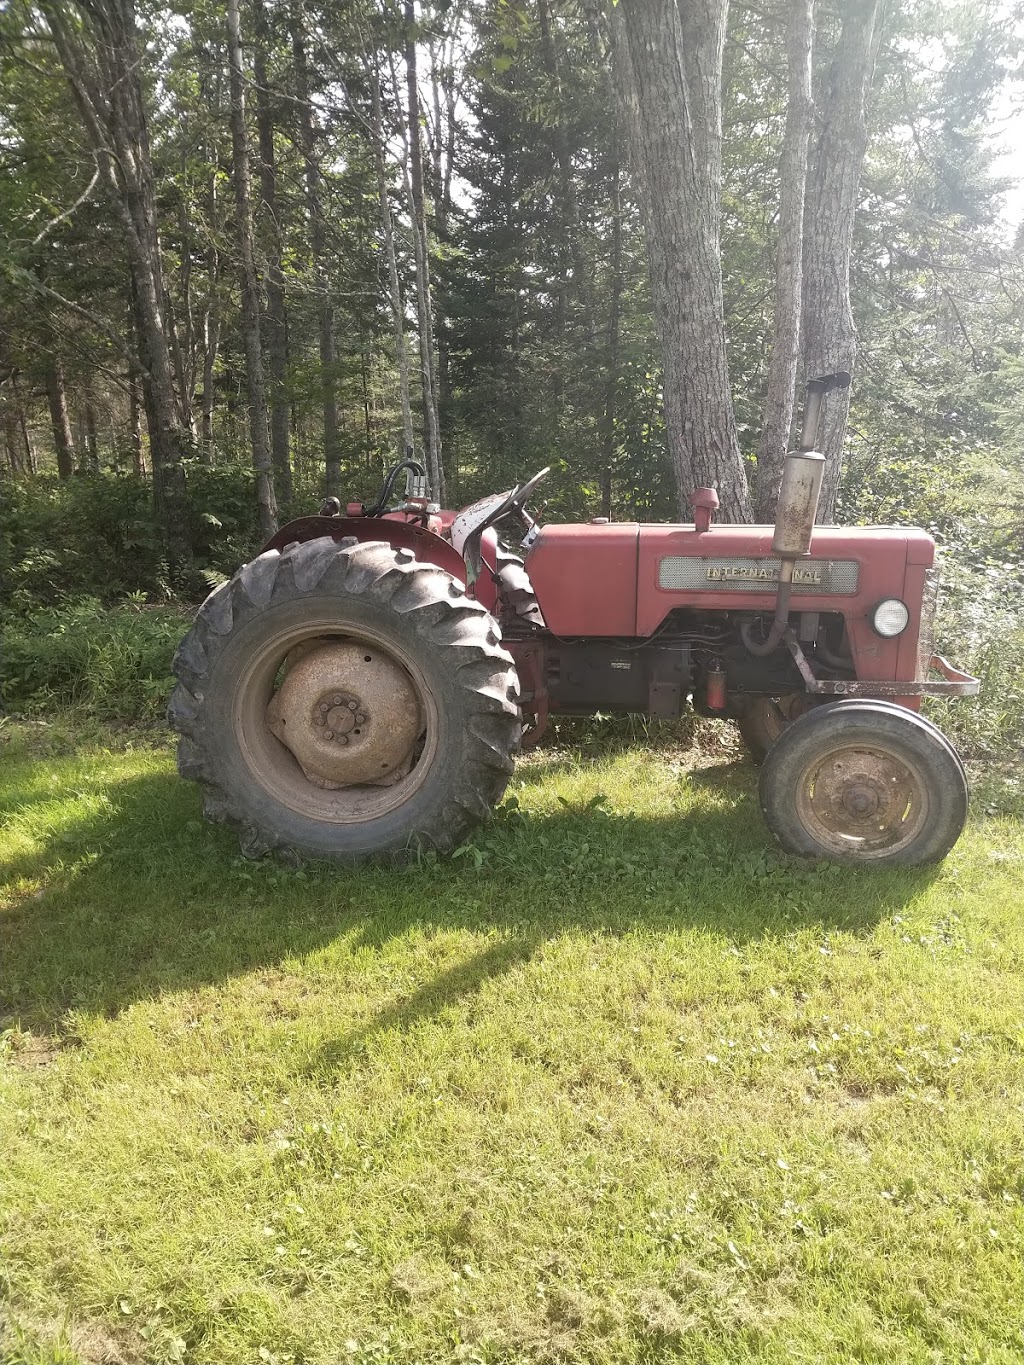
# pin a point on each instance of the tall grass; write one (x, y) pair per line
(114, 664)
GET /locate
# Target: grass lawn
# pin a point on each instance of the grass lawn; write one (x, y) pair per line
(621, 1083)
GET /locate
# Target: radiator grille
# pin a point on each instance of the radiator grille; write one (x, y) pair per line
(687, 573)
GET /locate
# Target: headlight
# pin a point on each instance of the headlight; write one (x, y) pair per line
(890, 618)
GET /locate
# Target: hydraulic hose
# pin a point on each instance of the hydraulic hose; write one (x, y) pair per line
(389, 484)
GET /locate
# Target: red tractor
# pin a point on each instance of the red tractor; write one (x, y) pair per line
(363, 685)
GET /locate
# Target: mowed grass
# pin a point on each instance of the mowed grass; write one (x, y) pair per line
(620, 1083)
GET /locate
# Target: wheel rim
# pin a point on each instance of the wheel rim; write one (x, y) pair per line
(339, 728)
(864, 800)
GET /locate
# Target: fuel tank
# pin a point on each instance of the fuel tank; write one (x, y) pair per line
(587, 576)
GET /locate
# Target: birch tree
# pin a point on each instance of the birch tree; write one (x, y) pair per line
(785, 355)
(251, 336)
(394, 291)
(421, 244)
(667, 59)
(276, 317)
(318, 253)
(833, 194)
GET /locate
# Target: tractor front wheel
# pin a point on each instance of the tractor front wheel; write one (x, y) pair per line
(864, 782)
(343, 699)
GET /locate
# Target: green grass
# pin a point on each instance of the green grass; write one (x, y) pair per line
(621, 1083)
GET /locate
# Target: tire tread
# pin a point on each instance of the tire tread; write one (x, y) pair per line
(435, 608)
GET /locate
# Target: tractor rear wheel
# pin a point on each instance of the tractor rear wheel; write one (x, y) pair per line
(342, 699)
(864, 782)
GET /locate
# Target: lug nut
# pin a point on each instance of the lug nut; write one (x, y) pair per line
(360, 719)
(328, 734)
(352, 706)
(337, 700)
(343, 739)
(323, 708)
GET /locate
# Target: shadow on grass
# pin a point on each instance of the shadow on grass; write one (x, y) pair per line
(143, 897)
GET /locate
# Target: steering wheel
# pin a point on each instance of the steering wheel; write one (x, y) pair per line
(520, 496)
(514, 502)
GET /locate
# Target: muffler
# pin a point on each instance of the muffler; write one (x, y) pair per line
(797, 508)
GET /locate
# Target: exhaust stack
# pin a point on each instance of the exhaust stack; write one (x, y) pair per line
(797, 507)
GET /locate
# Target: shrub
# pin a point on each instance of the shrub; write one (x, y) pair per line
(113, 663)
(980, 628)
(97, 536)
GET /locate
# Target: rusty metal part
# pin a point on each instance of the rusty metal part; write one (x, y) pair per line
(762, 648)
(863, 798)
(534, 699)
(955, 682)
(348, 712)
(715, 686)
(798, 503)
(765, 718)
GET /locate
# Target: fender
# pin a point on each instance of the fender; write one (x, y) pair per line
(403, 535)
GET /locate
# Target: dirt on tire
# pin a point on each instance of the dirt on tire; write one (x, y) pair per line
(417, 614)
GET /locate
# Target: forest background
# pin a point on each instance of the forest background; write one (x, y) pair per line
(253, 254)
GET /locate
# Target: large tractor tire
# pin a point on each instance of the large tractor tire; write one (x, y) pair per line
(342, 699)
(867, 783)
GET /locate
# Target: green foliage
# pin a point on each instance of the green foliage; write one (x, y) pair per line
(968, 496)
(86, 537)
(96, 536)
(110, 663)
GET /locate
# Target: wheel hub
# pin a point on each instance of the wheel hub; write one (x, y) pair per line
(348, 712)
(860, 796)
(340, 714)
(869, 796)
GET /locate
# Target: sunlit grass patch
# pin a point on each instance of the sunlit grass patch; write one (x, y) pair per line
(620, 1083)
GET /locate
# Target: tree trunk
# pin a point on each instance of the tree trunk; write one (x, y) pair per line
(276, 321)
(668, 70)
(257, 395)
(184, 346)
(103, 63)
(443, 78)
(611, 384)
(211, 329)
(782, 369)
(318, 251)
(26, 435)
(57, 398)
(210, 339)
(394, 292)
(183, 390)
(92, 462)
(135, 428)
(428, 363)
(833, 192)
(11, 439)
(571, 244)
